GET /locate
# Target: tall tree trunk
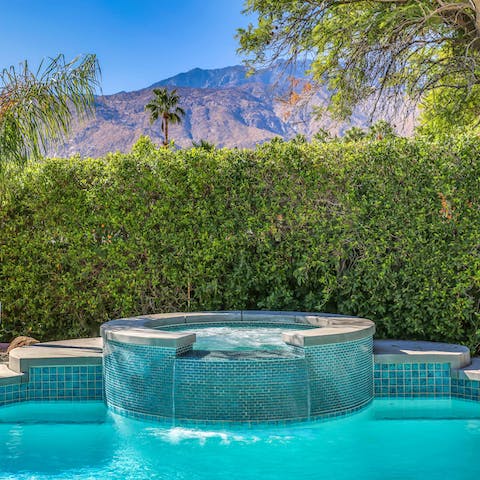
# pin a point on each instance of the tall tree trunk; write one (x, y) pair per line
(476, 42)
(165, 131)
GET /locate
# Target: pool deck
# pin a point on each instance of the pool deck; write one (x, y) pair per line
(409, 351)
(82, 351)
(88, 351)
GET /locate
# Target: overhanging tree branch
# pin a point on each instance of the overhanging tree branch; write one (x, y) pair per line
(385, 48)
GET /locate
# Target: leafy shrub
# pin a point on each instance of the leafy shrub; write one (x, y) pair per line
(387, 230)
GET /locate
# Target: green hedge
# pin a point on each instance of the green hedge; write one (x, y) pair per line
(389, 230)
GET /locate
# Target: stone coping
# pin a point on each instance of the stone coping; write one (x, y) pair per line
(9, 377)
(409, 351)
(470, 372)
(83, 351)
(143, 330)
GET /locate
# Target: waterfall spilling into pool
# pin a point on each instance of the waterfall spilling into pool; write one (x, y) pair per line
(239, 366)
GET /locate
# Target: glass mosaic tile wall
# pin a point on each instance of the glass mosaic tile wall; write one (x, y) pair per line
(466, 389)
(138, 378)
(422, 380)
(322, 380)
(56, 383)
(241, 390)
(340, 376)
(390, 380)
(412, 379)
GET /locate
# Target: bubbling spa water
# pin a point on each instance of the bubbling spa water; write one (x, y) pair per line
(240, 338)
(238, 366)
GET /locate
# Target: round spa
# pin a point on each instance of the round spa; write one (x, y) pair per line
(238, 366)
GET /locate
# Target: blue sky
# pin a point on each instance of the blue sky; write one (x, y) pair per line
(138, 42)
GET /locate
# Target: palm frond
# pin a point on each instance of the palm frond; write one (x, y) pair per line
(37, 108)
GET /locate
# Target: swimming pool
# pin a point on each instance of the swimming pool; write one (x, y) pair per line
(391, 439)
(421, 423)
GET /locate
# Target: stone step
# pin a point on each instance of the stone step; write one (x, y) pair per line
(470, 372)
(81, 351)
(407, 351)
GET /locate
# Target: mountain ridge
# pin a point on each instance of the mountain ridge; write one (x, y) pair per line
(223, 106)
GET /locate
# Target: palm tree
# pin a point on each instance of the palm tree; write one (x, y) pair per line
(37, 107)
(164, 105)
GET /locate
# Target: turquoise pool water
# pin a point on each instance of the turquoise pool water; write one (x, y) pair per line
(392, 439)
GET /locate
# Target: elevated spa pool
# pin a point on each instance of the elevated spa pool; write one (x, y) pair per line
(238, 366)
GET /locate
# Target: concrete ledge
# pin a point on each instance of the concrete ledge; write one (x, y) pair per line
(207, 317)
(146, 336)
(266, 316)
(83, 351)
(406, 351)
(9, 377)
(327, 335)
(144, 330)
(471, 372)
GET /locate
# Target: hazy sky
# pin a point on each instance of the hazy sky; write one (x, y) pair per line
(138, 42)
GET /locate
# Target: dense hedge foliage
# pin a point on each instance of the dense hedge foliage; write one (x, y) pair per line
(388, 230)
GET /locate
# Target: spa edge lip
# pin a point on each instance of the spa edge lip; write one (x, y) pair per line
(144, 329)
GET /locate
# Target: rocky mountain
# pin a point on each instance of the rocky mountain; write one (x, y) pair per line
(223, 106)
